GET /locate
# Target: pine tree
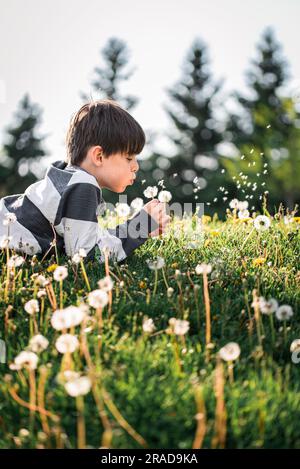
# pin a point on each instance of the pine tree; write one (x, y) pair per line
(20, 161)
(286, 168)
(198, 132)
(108, 78)
(261, 129)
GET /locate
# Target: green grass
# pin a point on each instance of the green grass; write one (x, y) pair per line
(140, 372)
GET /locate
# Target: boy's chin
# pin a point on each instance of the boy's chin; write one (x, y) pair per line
(119, 190)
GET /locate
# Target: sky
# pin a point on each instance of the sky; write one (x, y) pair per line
(49, 49)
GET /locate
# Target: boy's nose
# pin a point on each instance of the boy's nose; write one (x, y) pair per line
(136, 167)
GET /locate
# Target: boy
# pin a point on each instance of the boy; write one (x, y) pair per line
(102, 143)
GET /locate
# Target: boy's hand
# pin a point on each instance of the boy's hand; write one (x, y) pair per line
(157, 211)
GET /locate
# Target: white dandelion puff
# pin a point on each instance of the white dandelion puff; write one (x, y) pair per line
(67, 343)
(243, 205)
(150, 192)
(284, 312)
(267, 306)
(9, 219)
(106, 283)
(98, 298)
(123, 210)
(79, 386)
(203, 269)
(67, 318)
(164, 196)
(60, 273)
(137, 203)
(230, 352)
(262, 223)
(38, 343)
(32, 307)
(234, 203)
(156, 264)
(26, 359)
(148, 325)
(243, 214)
(295, 346)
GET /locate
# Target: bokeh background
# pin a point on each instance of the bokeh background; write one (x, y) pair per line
(215, 85)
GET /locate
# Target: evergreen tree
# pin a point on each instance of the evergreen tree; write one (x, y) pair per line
(286, 166)
(108, 78)
(20, 161)
(198, 132)
(262, 126)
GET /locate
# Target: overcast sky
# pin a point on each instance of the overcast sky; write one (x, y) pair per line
(50, 47)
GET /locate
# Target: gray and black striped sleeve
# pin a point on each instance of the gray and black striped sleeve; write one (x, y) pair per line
(77, 222)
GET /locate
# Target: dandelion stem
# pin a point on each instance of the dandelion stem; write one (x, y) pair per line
(272, 328)
(41, 398)
(80, 423)
(230, 372)
(31, 407)
(84, 275)
(32, 397)
(207, 308)
(176, 354)
(61, 302)
(200, 417)
(245, 241)
(284, 332)
(219, 438)
(155, 281)
(165, 279)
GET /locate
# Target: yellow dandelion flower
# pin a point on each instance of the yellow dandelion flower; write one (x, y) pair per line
(259, 261)
(215, 233)
(142, 284)
(296, 219)
(174, 265)
(52, 267)
(207, 242)
(206, 219)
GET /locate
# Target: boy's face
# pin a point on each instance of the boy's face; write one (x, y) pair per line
(117, 171)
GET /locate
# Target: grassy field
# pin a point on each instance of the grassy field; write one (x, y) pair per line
(158, 384)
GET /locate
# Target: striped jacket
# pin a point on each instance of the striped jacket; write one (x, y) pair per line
(64, 206)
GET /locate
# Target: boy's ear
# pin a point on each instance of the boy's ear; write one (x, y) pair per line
(97, 154)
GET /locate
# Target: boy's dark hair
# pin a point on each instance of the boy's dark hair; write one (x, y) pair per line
(105, 123)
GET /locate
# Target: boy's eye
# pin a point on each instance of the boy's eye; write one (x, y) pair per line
(129, 159)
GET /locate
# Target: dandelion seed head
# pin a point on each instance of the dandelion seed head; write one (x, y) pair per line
(60, 273)
(295, 346)
(78, 386)
(203, 269)
(26, 359)
(137, 203)
(9, 218)
(32, 307)
(150, 192)
(122, 209)
(148, 325)
(267, 306)
(66, 318)
(284, 312)
(156, 264)
(106, 283)
(38, 343)
(98, 298)
(262, 223)
(230, 352)
(164, 196)
(66, 343)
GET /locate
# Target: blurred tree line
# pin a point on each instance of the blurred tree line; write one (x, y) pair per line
(226, 146)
